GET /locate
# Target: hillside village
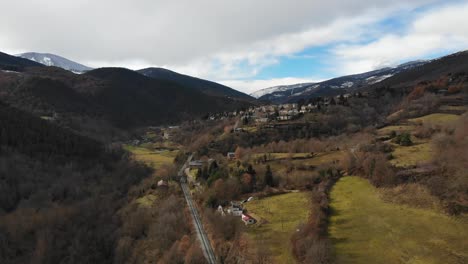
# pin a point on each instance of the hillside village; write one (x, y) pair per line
(285, 112)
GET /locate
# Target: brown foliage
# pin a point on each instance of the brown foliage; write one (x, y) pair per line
(417, 92)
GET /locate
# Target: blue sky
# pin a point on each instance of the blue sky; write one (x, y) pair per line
(398, 28)
(247, 45)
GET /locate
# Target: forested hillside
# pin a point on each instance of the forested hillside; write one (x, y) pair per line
(105, 103)
(59, 193)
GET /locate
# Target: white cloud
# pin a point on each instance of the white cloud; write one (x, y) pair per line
(230, 40)
(439, 30)
(227, 39)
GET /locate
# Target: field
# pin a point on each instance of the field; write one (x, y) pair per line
(397, 128)
(364, 229)
(436, 119)
(453, 108)
(405, 156)
(278, 218)
(154, 158)
(284, 155)
(323, 158)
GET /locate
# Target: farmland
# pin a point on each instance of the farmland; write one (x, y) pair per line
(365, 229)
(405, 156)
(154, 158)
(435, 119)
(278, 218)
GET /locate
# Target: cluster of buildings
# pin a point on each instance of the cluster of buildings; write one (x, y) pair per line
(283, 112)
(236, 209)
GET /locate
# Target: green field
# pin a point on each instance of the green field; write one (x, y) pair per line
(278, 218)
(397, 128)
(324, 158)
(436, 119)
(405, 156)
(364, 229)
(453, 108)
(283, 155)
(154, 158)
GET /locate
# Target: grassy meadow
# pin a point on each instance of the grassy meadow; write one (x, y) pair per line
(154, 158)
(405, 156)
(365, 229)
(397, 128)
(278, 216)
(436, 119)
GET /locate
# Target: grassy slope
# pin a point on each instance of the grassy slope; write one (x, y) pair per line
(364, 229)
(397, 128)
(405, 156)
(152, 158)
(278, 218)
(436, 119)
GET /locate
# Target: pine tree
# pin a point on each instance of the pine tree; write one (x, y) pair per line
(268, 176)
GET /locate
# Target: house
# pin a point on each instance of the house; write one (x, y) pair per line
(231, 156)
(221, 210)
(166, 135)
(235, 209)
(247, 219)
(195, 164)
(262, 120)
(162, 184)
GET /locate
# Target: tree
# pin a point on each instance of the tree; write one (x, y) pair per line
(405, 139)
(247, 182)
(268, 176)
(239, 153)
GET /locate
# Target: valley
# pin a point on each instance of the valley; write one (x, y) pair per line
(150, 166)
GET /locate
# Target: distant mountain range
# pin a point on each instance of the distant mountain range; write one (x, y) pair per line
(55, 60)
(204, 86)
(344, 84)
(105, 99)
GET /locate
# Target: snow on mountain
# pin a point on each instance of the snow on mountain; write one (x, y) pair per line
(55, 60)
(376, 79)
(280, 88)
(343, 84)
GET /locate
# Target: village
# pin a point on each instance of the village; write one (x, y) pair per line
(270, 113)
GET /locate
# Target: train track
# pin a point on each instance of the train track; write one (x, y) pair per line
(205, 243)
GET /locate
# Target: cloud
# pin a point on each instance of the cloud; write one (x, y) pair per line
(229, 38)
(438, 30)
(233, 40)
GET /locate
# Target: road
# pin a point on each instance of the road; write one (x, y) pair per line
(201, 234)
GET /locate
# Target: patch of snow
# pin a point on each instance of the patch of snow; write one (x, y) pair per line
(376, 79)
(10, 71)
(347, 85)
(47, 61)
(280, 88)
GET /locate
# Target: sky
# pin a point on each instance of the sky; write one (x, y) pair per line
(245, 44)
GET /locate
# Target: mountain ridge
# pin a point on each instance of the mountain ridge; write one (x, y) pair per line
(50, 59)
(205, 86)
(341, 84)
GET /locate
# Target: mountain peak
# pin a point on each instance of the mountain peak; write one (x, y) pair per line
(49, 59)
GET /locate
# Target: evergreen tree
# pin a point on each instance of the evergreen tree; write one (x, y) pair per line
(268, 176)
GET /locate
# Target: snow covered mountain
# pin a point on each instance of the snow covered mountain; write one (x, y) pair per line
(292, 93)
(280, 88)
(55, 60)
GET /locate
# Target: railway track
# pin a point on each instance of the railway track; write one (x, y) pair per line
(205, 243)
